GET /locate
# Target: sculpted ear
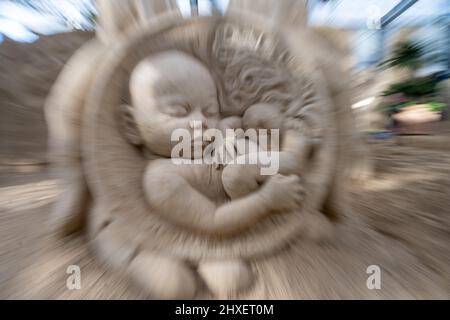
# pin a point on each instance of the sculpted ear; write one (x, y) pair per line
(129, 126)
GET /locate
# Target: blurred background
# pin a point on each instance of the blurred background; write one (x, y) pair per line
(399, 61)
(399, 55)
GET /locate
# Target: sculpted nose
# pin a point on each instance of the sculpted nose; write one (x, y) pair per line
(198, 121)
(198, 124)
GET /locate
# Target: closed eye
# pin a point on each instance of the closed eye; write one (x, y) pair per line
(211, 111)
(177, 110)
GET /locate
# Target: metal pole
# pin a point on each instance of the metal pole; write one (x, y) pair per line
(395, 12)
(194, 7)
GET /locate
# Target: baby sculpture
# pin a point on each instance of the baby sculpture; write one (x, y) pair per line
(179, 228)
(170, 91)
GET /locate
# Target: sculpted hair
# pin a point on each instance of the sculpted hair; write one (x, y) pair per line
(248, 78)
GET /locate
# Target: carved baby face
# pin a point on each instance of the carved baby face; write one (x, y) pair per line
(263, 116)
(169, 91)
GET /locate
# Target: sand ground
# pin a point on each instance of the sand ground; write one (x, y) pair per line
(406, 206)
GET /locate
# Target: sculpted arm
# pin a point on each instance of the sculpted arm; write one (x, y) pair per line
(171, 194)
(295, 136)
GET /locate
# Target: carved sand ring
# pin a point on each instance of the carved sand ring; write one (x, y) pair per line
(251, 63)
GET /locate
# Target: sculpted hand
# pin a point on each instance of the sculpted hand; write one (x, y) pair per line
(283, 193)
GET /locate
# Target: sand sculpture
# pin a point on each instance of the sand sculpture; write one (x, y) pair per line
(179, 230)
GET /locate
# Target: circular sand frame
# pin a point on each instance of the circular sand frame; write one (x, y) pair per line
(114, 168)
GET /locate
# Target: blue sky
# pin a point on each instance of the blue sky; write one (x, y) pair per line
(368, 45)
(354, 14)
(22, 24)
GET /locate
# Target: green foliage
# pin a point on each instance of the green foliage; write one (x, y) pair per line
(436, 106)
(92, 17)
(415, 87)
(407, 54)
(394, 107)
(412, 91)
(433, 106)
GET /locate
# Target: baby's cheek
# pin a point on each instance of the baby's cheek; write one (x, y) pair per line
(174, 129)
(152, 132)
